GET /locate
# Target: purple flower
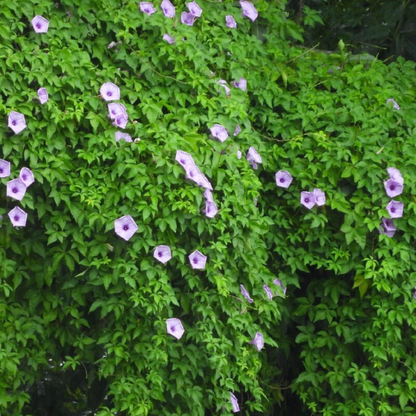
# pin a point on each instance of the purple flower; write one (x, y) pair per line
(246, 294)
(277, 282)
(187, 18)
(307, 199)
(387, 227)
(110, 91)
(249, 10)
(393, 188)
(43, 95)
(168, 38)
(211, 209)
(283, 179)
(239, 154)
(268, 291)
(258, 341)
(194, 9)
(26, 176)
(115, 110)
(193, 173)
(395, 209)
(174, 327)
(237, 130)
(184, 159)
(162, 253)
(319, 197)
(395, 175)
(16, 189)
(147, 7)
(242, 84)
(123, 136)
(208, 195)
(4, 168)
(16, 122)
(18, 217)
(219, 132)
(203, 182)
(223, 83)
(121, 121)
(40, 24)
(234, 403)
(125, 227)
(197, 260)
(168, 8)
(395, 105)
(230, 22)
(253, 157)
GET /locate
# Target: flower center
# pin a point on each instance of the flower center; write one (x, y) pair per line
(38, 25)
(282, 180)
(172, 328)
(392, 187)
(109, 93)
(15, 190)
(306, 200)
(195, 260)
(24, 177)
(1, 170)
(126, 227)
(16, 218)
(160, 254)
(14, 122)
(393, 209)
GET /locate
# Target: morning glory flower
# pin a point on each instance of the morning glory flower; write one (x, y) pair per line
(307, 199)
(168, 8)
(283, 179)
(258, 341)
(162, 253)
(174, 327)
(395, 209)
(147, 7)
(277, 282)
(4, 168)
(197, 260)
(43, 95)
(395, 105)
(194, 9)
(18, 217)
(253, 157)
(242, 84)
(184, 159)
(234, 403)
(230, 22)
(395, 175)
(387, 227)
(268, 292)
(123, 136)
(211, 209)
(26, 176)
(40, 24)
(16, 189)
(168, 38)
(187, 18)
(203, 182)
(239, 154)
(115, 110)
(121, 121)
(110, 91)
(237, 130)
(16, 122)
(249, 10)
(223, 83)
(125, 227)
(219, 132)
(192, 173)
(319, 197)
(246, 294)
(393, 188)
(208, 195)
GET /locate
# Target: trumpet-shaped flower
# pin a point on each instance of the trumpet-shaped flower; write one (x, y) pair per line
(123, 136)
(115, 110)
(110, 91)
(16, 122)
(169, 39)
(197, 260)
(268, 292)
(239, 154)
(208, 195)
(395, 209)
(26, 176)
(393, 188)
(16, 189)
(121, 121)
(162, 253)
(387, 227)
(184, 159)
(258, 341)
(187, 18)
(230, 22)
(395, 175)
(174, 327)
(219, 132)
(194, 9)
(242, 84)
(43, 95)
(237, 130)
(277, 282)
(125, 227)
(253, 157)
(40, 24)
(283, 179)
(234, 403)
(18, 217)
(4, 168)
(249, 10)
(319, 197)
(211, 209)
(223, 83)
(307, 199)
(245, 293)
(147, 7)
(395, 105)
(203, 182)
(168, 8)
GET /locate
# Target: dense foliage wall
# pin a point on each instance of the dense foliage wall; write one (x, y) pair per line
(83, 311)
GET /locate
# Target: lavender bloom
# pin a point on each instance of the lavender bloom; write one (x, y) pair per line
(283, 179)
(239, 154)
(147, 7)
(395, 209)
(277, 282)
(307, 199)
(253, 157)
(234, 403)
(224, 84)
(43, 95)
(230, 22)
(184, 159)
(168, 8)
(187, 18)
(174, 327)
(4, 168)
(121, 121)
(26, 176)
(16, 122)
(123, 136)
(393, 188)
(246, 294)
(203, 182)
(110, 91)
(319, 197)
(219, 132)
(193, 173)
(16, 189)
(237, 130)
(395, 175)
(242, 84)
(169, 39)
(194, 9)
(162, 253)
(211, 209)
(125, 227)
(258, 341)
(197, 260)
(208, 195)
(268, 291)
(395, 105)
(249, 10)
(40, 24)
(18, 217)
(115, 110)
(387, 227)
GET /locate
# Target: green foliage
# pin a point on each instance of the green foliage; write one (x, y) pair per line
(83, 312)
